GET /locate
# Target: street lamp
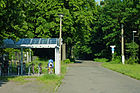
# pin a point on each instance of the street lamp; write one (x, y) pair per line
(133, 36)
(60, 39)
(133, 39)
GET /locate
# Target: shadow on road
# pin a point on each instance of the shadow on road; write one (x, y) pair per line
(4, 79)
(83, 61)
(77, 61)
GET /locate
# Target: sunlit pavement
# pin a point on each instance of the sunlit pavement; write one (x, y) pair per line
(90, 77)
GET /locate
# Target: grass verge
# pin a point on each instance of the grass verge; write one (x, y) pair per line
(100, 60)
(127, 69)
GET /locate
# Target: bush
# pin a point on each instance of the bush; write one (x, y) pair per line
(72, 59)
(131, 60)
(36, 63)
(116, 60)
(101, 60)
(67, 61)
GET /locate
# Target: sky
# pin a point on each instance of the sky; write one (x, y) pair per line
(97, 0)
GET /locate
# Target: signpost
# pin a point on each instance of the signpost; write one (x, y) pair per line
(112, 49)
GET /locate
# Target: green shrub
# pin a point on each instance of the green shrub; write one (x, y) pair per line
(72, 59)
(116, 60)
(101, 60)
(36, 63)
(131, 60)
(67, 61)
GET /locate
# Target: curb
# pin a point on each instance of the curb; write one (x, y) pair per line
(59, 84)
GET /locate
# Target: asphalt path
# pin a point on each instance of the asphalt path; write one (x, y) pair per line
(90, 77)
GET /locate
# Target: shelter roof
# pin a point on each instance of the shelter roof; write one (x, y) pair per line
(31, 43)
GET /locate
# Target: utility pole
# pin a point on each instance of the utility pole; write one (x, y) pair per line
(60, 39)
(122, 33)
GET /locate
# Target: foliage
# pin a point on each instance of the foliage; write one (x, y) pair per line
(12, 19)
(100, 60)
(127, 69)
(88, 29)
(72, 60)
(116, 60)
(132, 49)
(36, 62)
(131, 60)
(67, 61)
(10, 52)
(132, 53)
(112, 15)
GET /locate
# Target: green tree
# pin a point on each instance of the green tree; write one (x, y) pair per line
(88, 28)
(111, 14)
(12, 19)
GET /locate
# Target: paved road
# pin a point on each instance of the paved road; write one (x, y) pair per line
(90, 77)
(30, 87)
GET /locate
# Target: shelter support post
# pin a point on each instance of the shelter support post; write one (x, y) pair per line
(21, 61)
(27, 60)
(30, 56)
(57, 62)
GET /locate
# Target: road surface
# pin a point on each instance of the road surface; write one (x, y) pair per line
(90, 77)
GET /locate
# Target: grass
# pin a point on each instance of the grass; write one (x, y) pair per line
(100, 59)
(51, 80)
(36, 62)
(127, 69)
(18, 79)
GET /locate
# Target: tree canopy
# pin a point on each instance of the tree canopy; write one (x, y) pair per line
(88, 28)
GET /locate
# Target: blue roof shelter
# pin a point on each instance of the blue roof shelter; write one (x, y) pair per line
(35, 43)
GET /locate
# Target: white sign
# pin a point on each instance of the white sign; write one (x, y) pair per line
(112, 48)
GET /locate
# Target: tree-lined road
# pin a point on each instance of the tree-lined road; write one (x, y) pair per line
(90, 77)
